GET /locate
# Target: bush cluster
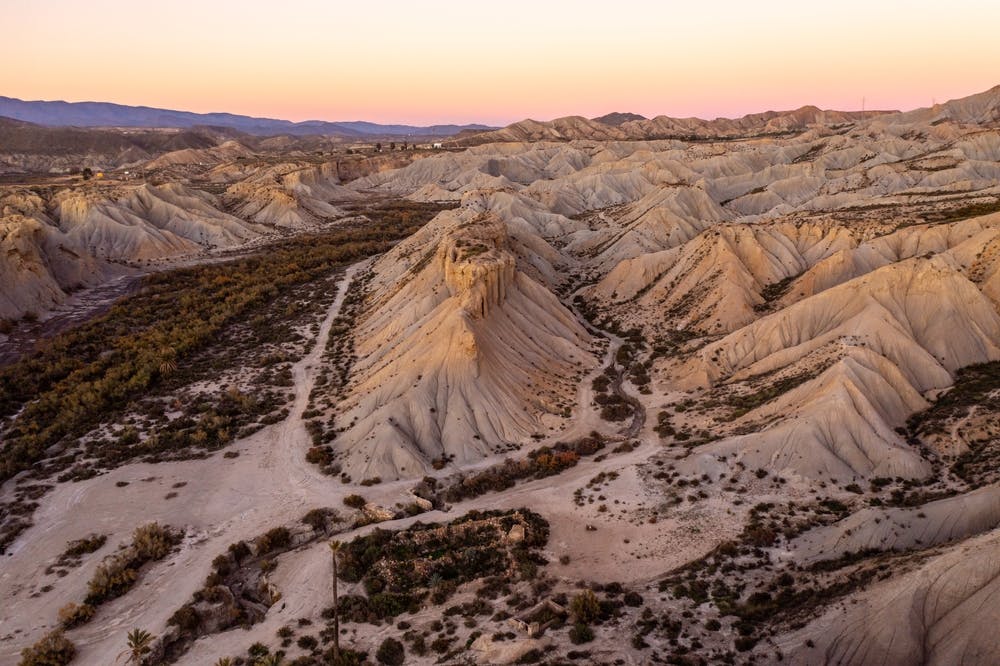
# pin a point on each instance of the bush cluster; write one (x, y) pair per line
(540, 463)
(117, 574)
(54, 649)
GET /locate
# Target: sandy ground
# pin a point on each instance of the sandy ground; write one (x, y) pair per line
(270, 484)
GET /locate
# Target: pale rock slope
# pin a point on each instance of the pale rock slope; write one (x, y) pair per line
(39, 265)
(227, 151)
(714, 281)
(289, 196)
(866, 350)
(82, 237)
(904, 528)
(531, 231)
(837, 426)
(972, 243)
(577, 127)
(980, 109)
(661, 219)
(148, 222)
(560, 129)
(460, 353)
(922, 314)
(942, 613)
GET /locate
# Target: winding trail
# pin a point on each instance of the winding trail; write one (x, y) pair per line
(231, 499)
(638, 410)
(221, 502)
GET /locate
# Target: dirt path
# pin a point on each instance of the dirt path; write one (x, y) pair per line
(271, 484)
(221, 502)
(638, 409)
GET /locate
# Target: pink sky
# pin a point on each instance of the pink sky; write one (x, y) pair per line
(448, 61)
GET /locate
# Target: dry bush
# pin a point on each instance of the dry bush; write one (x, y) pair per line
(72, 615)
(117, 574)
(53, 649)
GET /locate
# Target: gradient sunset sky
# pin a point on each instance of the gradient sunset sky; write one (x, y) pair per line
(497, 62)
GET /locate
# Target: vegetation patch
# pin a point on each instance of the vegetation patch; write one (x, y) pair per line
(118, 573)
(538, 464)
(54, 649)
(238, 592)
(964, 212)
(400, 569)
(976, 392)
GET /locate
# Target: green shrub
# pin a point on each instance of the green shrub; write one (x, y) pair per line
(585, 607)
(117, 574)
(152, 542)
(185, 618)
(355, 501)
(391, 652)
(633, 599)
(273, 539)
(581, 633)
(85, 546)
(318, 519)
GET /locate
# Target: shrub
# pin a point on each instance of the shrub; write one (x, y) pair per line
(54, 649)
(273, 539)
(73, 615)
(85, 546)
(390, 652)
(319, 455)
(240, 550)
(152, 542)
(532, 656)
(581, 633)
(585, 607)
(111, 580)
(318, 518)
(185, 618)
(355, 501)
(117, 573)
(632, 599)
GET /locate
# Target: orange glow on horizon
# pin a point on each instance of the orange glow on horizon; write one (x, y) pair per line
(444, 61)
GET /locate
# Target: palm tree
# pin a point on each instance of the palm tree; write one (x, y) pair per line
(335, 553)
(168, 364)
(224, 661)
(140, 644)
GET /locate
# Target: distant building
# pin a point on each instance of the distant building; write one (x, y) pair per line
(436, 146)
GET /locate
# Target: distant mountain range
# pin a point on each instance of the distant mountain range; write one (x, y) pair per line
(104, 114)
(979, 109)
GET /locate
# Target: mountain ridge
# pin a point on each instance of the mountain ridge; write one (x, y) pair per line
(58, 113)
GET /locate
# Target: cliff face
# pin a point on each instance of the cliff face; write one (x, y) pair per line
(70, 238)
(39, 263)
(461, 355)
(477, 268)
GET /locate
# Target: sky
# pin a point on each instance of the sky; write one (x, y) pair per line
(440, 61)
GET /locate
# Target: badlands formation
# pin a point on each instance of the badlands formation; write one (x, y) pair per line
(746, 371)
